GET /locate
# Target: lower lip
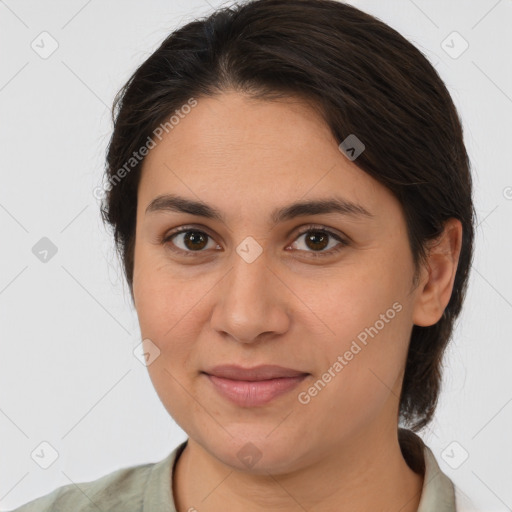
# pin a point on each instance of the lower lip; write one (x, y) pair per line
(254, 393)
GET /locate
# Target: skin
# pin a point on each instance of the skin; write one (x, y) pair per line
(340, 451)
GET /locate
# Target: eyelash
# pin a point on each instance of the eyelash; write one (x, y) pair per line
(343, 243)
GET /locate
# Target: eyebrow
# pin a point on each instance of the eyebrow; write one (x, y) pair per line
(174, 203)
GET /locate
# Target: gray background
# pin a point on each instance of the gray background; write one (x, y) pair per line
(68, 374)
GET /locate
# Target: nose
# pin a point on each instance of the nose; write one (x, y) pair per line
(251, 302)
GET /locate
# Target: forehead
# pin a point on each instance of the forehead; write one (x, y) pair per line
(232, 146)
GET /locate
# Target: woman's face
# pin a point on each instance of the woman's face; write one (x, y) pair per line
(254, 287)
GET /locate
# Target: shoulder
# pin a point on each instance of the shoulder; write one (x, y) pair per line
(111, 492)
(439, 492)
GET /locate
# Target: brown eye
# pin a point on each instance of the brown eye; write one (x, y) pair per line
(195, 240)
(316, 240)
(187, 241)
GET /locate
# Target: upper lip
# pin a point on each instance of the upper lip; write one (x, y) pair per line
(261, 372)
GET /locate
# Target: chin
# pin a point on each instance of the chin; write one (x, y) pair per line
(253, 450)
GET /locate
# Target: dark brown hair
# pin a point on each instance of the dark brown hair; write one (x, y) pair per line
(365, 79)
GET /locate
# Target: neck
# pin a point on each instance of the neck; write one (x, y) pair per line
(367, 473)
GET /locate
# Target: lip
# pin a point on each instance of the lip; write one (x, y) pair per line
(256, 373)
(253, 387)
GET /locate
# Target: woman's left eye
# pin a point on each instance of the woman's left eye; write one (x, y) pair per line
(316, 239)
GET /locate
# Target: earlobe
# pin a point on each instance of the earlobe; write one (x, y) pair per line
(436, 285)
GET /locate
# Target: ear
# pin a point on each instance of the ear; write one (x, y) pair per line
(436, 284)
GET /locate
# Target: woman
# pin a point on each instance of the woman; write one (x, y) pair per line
(291, 199)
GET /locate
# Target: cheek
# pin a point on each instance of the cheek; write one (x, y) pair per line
(172, 310)
(367, 312)
(168, 316)
(359, 380)
(161, 298)
(353, 297)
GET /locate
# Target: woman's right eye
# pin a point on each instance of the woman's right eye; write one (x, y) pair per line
(186, 241)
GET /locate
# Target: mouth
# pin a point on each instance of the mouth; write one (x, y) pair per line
(252, 387)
